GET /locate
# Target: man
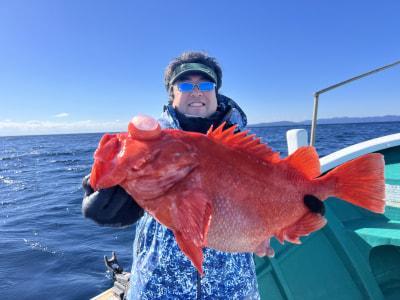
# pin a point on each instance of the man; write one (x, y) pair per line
(160, 270)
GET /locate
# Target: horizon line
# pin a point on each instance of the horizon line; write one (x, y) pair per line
(256, 125)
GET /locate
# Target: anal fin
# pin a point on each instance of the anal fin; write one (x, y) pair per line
(310, 222)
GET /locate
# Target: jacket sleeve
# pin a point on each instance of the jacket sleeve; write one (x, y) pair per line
(109, 207)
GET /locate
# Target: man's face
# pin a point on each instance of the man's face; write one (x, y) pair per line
(195, 103)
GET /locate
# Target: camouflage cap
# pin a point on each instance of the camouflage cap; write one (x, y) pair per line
(192, 68)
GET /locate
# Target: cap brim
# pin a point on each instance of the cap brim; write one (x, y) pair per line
(190, 68)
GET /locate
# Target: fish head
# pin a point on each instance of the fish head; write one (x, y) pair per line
(146, 160)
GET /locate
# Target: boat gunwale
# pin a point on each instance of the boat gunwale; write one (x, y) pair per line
(343, 155)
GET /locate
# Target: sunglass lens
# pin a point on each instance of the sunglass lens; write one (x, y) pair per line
(185, 87)
(206, 86)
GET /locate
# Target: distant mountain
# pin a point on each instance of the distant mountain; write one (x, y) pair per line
(337, 120)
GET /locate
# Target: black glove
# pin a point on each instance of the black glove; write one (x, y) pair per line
(112, 206)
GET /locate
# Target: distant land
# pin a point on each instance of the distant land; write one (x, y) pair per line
(336, 120)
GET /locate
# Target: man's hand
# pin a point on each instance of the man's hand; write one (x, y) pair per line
(112, 206)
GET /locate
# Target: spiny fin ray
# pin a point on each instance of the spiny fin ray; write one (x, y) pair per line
(242, 141)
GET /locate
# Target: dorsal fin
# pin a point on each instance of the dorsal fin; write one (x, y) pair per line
(305, 160)
(242, 141)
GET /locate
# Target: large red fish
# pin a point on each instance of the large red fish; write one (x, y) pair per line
(227, 190)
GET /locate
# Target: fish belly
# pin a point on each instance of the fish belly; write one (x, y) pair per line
(247, 214)
(233, 230)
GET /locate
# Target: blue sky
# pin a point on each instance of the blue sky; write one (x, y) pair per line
(86, 66)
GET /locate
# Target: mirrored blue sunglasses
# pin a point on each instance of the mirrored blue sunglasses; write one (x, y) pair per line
(186, 87)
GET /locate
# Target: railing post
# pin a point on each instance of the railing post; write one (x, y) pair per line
(314, 119)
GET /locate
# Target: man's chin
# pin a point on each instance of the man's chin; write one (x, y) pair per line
(196, 112)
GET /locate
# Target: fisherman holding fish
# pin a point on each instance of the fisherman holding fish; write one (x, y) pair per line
(219, 191)
(160, 270)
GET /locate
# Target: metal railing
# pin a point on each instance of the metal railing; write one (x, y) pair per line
(316, 95)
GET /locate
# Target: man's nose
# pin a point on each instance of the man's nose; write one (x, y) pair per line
(196, 91)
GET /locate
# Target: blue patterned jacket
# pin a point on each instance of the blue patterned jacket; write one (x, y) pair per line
(161, 271)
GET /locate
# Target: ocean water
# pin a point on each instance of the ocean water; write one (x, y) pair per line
(47, 249)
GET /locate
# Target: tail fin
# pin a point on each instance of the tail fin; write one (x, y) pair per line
(361, 182)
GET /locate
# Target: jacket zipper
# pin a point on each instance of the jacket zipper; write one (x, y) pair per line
(198, 286)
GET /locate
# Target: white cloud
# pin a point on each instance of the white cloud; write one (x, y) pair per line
(33, 127)
(61, 115)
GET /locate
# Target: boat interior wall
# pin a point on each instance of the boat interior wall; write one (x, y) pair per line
(385, 265)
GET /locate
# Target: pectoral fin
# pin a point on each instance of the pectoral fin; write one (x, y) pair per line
(192, 218)
(193, 252)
